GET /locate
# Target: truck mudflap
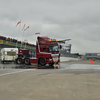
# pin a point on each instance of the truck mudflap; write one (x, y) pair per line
(56, 64)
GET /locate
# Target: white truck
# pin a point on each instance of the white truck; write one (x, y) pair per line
(9, 54)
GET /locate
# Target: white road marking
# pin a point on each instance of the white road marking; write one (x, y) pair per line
(15, 72)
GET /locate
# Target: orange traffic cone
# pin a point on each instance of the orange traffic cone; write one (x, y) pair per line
(91, 61)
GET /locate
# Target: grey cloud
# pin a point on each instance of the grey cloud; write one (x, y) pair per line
(60, 19)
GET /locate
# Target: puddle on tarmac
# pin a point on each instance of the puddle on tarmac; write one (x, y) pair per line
(22, 66)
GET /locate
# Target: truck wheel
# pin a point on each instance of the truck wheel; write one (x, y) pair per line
(27, 61)
(42, 62)
(19, 61)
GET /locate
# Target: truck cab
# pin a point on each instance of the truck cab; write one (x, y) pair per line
(47, 51)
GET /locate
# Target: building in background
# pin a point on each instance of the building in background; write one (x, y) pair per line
(64, 46)
(92, 56)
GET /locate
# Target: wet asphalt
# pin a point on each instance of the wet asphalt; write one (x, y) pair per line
(63, 68)
(71, 81)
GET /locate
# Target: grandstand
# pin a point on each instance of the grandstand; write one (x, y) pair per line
(13, 43)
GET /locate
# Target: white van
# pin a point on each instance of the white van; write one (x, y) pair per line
(8, 54)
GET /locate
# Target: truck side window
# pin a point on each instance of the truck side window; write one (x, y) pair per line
(44, 48)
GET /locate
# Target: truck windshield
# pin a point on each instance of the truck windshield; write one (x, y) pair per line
(53, 48)
(11, 53)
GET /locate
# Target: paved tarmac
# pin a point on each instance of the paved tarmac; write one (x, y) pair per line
(73, 81)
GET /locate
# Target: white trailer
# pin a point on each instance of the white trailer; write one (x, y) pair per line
(9, 54)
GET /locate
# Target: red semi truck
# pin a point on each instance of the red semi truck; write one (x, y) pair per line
(47, 52)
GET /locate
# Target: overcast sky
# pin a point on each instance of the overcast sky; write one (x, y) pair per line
(78, 20)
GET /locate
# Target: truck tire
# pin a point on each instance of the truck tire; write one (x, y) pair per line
(42, 61)
(27, 61)
(19, 61)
